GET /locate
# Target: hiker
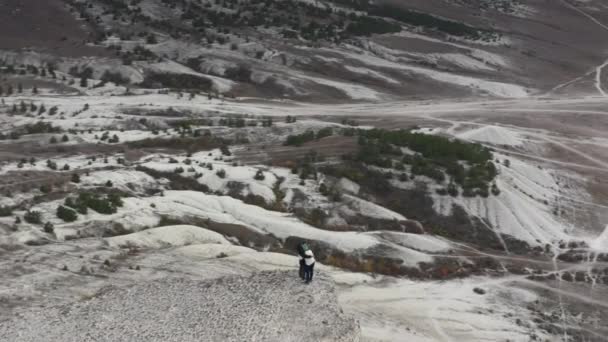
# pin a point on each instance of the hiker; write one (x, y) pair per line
(309, 261)
(302, 248)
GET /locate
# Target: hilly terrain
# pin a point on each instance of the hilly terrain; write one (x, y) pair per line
(445, 160)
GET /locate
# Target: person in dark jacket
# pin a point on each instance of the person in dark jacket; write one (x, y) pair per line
(302, 267)
(309, 261)
(302, 248)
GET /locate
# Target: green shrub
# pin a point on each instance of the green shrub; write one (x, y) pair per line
(324, 132)
(115, 199)
(66, 214)
(77, 205)
(33, 217)
(299, 139)
(49, 228)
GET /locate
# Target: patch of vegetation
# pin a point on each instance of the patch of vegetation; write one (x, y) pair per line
(428, 21)
(468, 165)
(299, 139)
(107, 204)
(176, 181)
(40, 127)
(176, 81)
(183, 143)
(66, 214)
(114, 77)
(33, 217)
(310, 135)
(366, 26)
(49, 228)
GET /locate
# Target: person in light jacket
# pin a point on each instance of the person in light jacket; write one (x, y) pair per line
(309, 265)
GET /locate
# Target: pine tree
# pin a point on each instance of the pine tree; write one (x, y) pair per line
(19, 88)
(65, 138)
(75, 178)
(35, 89)
(84, 82)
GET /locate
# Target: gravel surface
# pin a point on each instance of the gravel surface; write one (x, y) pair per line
(267, 306)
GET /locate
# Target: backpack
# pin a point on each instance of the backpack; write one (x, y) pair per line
(302, 248)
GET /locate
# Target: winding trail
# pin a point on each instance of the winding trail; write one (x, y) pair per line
(598, 78)
(598, 70)
(589, 16)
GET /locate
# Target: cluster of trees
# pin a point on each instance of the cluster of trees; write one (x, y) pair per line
(366, 25)
(237, 122)
(420, 19)
(431, 146)
(24, 69)
(215, 23)
(176, 81)
(428, 21)
(462, 164)
(306, 166)
(114, 77)
(310, 135)
(33, 217)
(73, 206)
(9, 90)
(13, 135)
(64, 138)
(30, 216)
(240, 73)
(106, 137)
(41, 127)
(24, 108)
(331, 192)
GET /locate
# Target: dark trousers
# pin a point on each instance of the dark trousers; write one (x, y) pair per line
(302, 266)
(308, 272)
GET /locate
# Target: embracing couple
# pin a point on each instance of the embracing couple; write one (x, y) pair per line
(307, 262)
